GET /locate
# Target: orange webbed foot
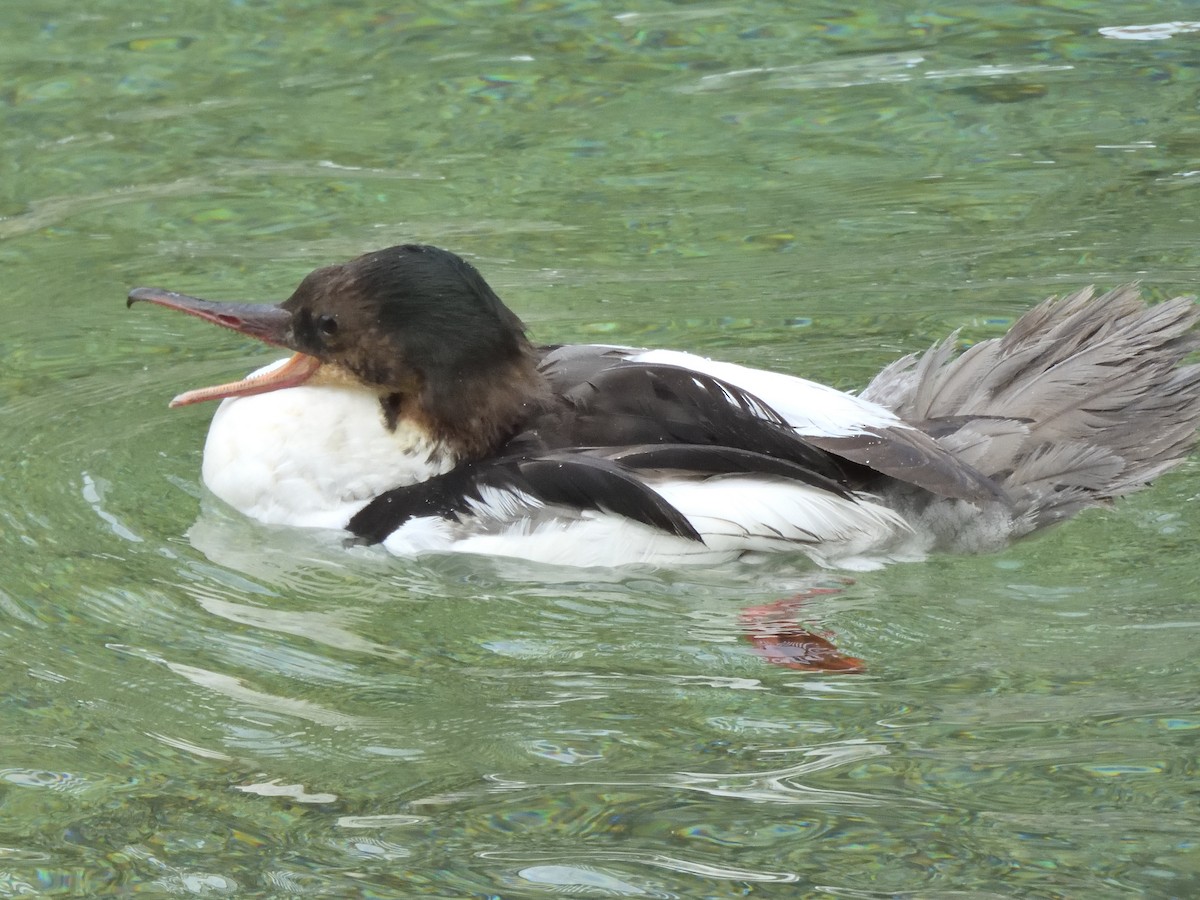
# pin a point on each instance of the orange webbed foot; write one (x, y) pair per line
(776, 636)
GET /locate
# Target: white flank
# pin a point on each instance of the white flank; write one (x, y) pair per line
(736, 514)
(811, 408)
(311, 456)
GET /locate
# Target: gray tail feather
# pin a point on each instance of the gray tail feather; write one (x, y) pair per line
(1083, 400)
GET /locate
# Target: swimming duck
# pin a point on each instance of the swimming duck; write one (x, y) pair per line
(414, 412)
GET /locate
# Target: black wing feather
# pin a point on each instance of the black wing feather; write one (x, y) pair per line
(585, 482)
(567, 479)
(444, 495)
(718, 461)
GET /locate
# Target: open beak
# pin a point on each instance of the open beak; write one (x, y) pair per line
(269, 324)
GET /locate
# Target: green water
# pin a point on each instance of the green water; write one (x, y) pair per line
(195, 705)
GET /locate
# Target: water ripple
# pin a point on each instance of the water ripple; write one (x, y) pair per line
(574, 869)
(771, 786)
(236, 689)
(48, 211)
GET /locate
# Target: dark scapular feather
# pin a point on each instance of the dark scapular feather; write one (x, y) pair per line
(621, 402)
(628, 404)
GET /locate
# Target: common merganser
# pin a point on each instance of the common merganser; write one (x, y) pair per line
(415, 413)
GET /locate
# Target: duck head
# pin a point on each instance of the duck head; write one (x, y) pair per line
(416, 324)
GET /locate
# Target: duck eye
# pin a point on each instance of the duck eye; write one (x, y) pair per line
(327, 325)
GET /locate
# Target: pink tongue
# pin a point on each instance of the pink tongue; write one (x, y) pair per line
(295, 371)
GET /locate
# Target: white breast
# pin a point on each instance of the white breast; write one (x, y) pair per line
(313, 455)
